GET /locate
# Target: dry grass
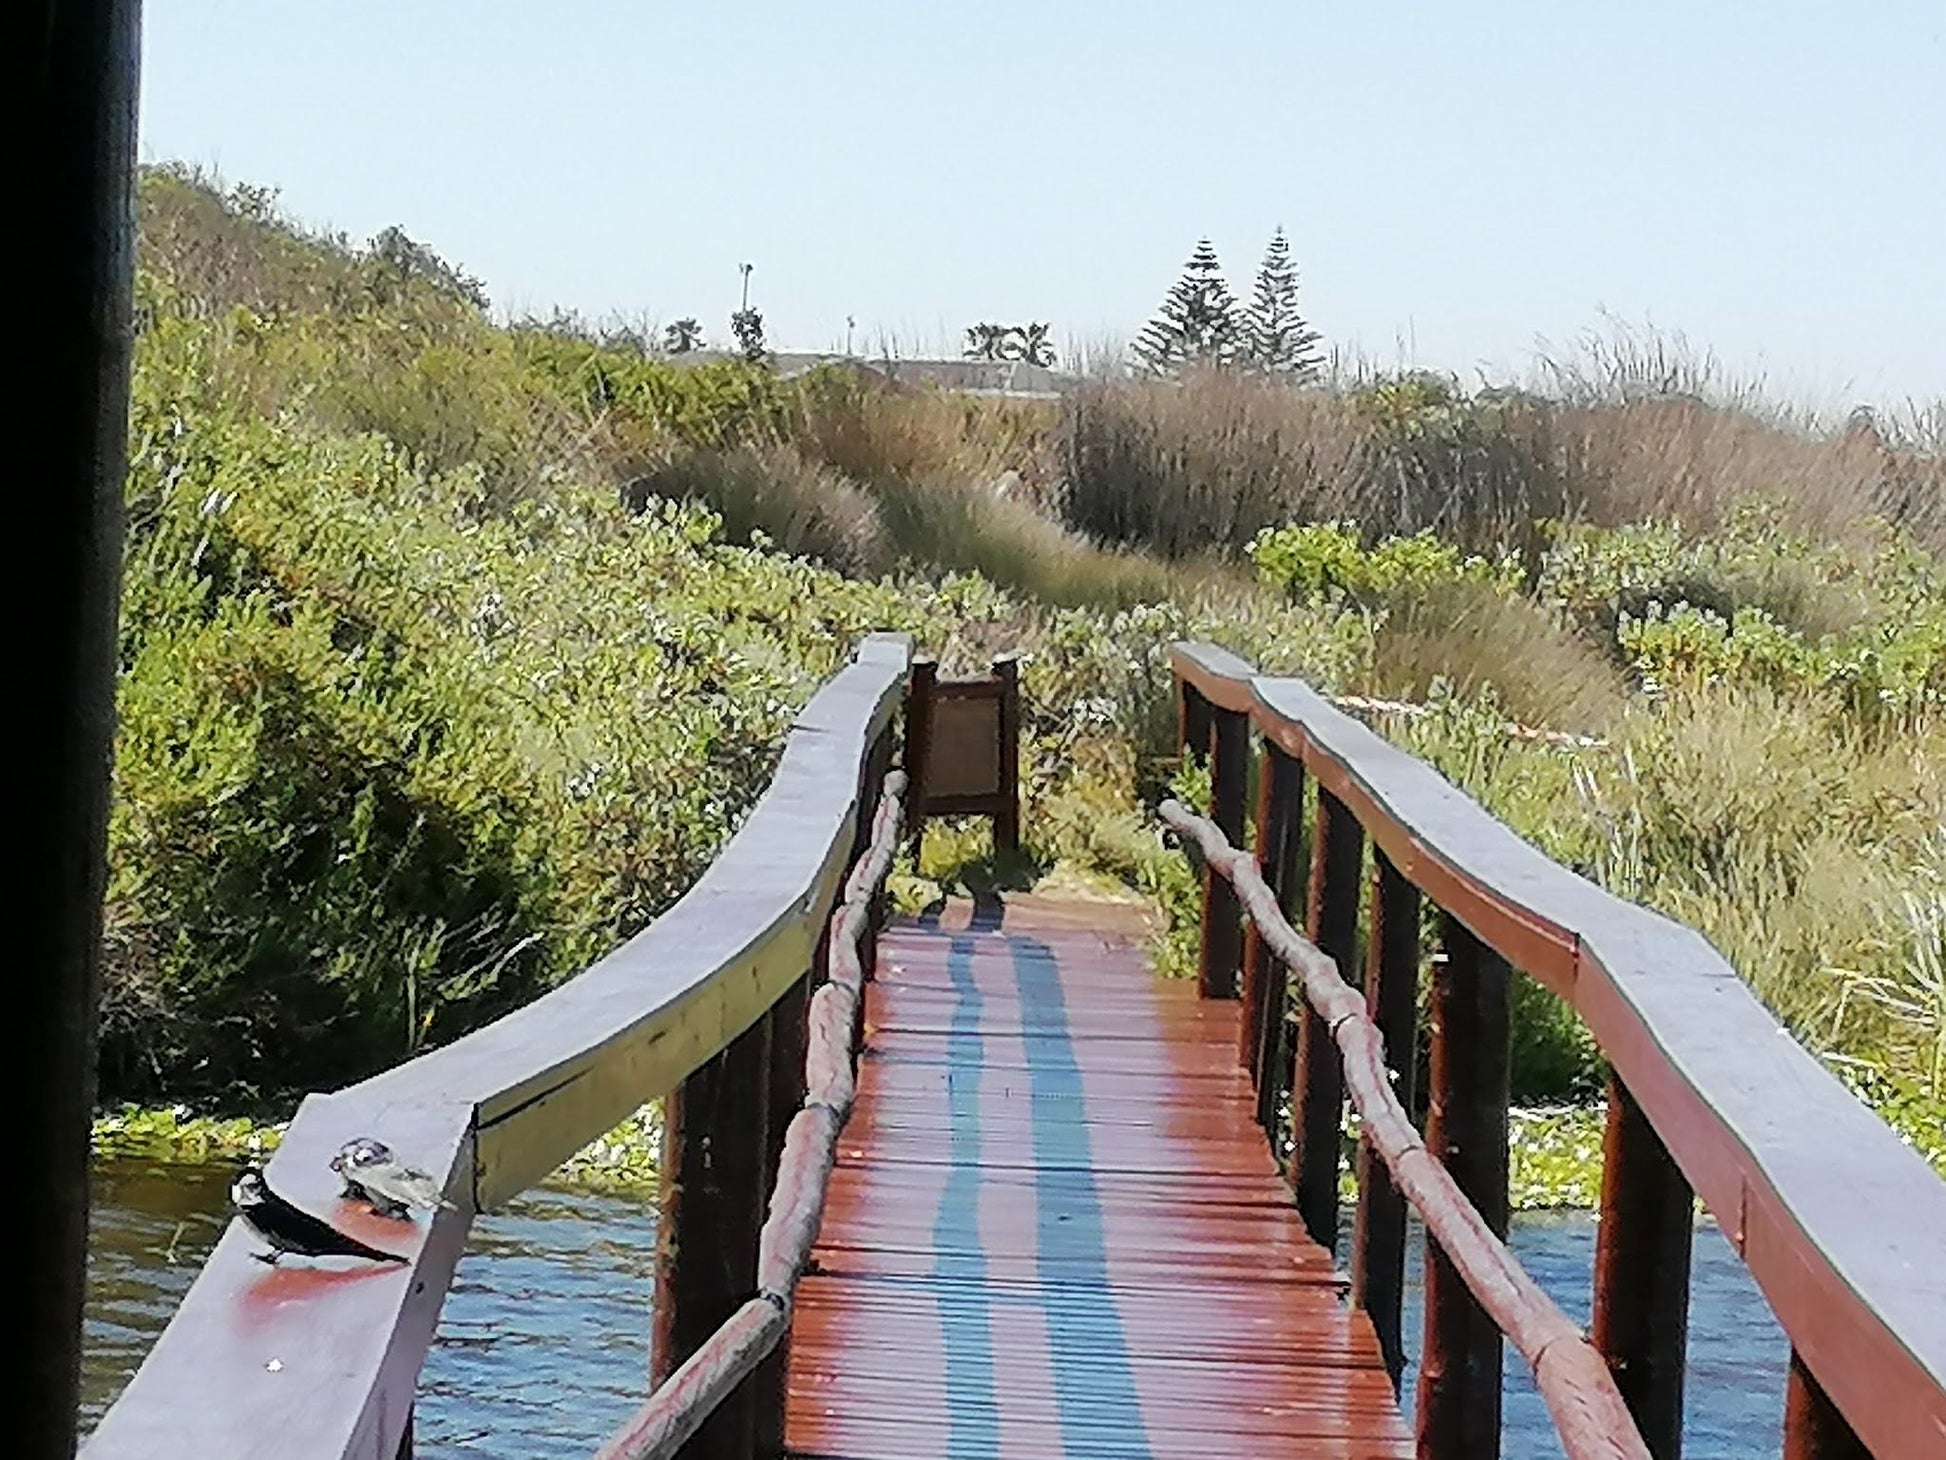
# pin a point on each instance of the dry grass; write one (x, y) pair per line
(1473, 636)
(803, 507)
(1640, 431)
(876, 434)
(1204, 464)
(1808, 848)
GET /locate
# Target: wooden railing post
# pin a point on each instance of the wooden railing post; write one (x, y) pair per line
(1813, 1427)
(1642, 1250)
(1222, 953)
(1317, 1117)
(1278, 784)
(1283, 870)
(877, 765)
(1466, 1127)
(1392, 996)
(715, 1135)
(1192, 721)
(917, 748)
(784, 1096)
(1006, 818)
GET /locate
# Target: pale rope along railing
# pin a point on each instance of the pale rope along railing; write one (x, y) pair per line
(678, 1408)
(1589, 1414)
(1405, 710)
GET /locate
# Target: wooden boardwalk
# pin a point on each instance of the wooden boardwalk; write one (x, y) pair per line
(1055, 1230)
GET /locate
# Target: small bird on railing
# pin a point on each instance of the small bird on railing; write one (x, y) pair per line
(373, 1174)
(289, 1229)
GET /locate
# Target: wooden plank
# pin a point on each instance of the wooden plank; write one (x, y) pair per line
(1056, 1229)
(308, 1364)
(1836, 1218)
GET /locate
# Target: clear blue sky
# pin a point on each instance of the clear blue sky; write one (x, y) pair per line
(1458, 180)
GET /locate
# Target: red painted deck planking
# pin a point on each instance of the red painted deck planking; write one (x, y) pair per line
(1055, 1231)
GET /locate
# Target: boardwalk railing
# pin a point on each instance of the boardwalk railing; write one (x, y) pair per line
(1842, 1226)
(685, 1400)
(707, 1005)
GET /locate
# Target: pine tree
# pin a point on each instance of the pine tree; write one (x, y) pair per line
(1198, 321)
(1277, 341)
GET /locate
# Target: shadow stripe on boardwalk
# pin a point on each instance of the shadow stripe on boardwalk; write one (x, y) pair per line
(1055, 1231)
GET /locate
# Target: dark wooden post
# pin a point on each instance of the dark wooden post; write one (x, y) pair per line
(1286, 878)
(878, 763)
(1006, 816)
(1813, 1427)
(1466, 1127)
(1278, 784)
(715, 1136)
(1392, 995)
(1222, 953)
(918, 744)
(1641, 1317)
(784, 1094)
(77, 68)
(1192, 721)
(1337, 853)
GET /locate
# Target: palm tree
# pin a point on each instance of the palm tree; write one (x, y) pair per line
(985, 342)
(682, 337)
(1035, 347)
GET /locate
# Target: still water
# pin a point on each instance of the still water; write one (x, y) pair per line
(544, 1342)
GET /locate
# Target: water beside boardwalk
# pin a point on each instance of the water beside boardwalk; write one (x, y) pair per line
(544, 1342)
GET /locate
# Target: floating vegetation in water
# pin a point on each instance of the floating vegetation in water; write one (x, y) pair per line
(1553, 1158)
(626, 1159)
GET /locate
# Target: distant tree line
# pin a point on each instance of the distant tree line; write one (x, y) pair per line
(1201, 322)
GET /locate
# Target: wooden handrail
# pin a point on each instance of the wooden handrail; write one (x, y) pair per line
(1587, 1408)
(1838, 1221)
(307, 1363)
(680, 1405)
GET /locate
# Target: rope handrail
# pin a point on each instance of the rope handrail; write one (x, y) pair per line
(1589, 1414)
(1512, 729)
(678, 1408)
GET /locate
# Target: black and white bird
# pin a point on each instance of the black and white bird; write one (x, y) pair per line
(289, 1229)
(373, 1174)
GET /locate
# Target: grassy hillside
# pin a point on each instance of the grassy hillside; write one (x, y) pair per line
(453, 651)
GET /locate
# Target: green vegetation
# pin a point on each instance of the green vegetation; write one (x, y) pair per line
(453, 651)
(623, 1160)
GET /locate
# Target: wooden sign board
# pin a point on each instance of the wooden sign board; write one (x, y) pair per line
(963, 748)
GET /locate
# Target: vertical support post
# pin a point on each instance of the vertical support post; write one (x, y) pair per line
(1222, 951)
(1277, 1050)
(1466, 1127)
(1392, 996)
(714, 1137)
(877, 763)
(784, 1097)
(918, 744)
(1337, 854)
(78, 67)
(1192, 721)
(1006, 817)
(1279, 781)
(1642, 1250)
(1813, 1427)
